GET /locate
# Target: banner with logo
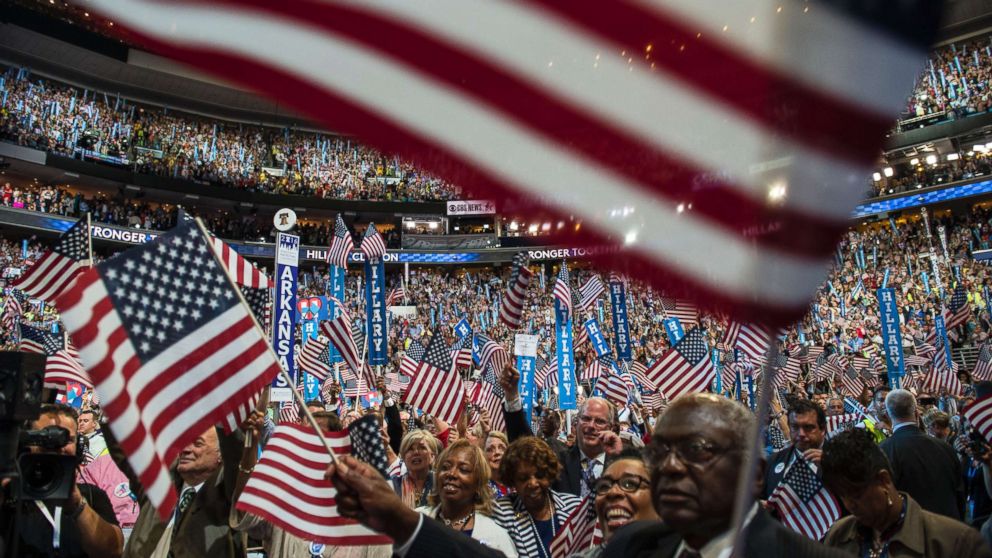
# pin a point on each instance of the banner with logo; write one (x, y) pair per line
(375, 305)
(284, 318)
(309, 311)
(621, 331)
(673, 327)
(596, 337)
(941, 327)
(336, 288)
(463, 328)
(888, 314)
(525, 348)
(565, 358)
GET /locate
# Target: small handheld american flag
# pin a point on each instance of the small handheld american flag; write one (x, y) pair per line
(58, 268)
(373, 246)
(511, 309)
(341, 244)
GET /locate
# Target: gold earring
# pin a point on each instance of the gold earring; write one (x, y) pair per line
(888, 497)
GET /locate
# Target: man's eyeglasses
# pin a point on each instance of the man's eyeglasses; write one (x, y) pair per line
(627, 483)
(694, 451)
(597, 422)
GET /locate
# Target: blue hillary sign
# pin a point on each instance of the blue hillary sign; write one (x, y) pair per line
(941, 327)
(596, 337)
(566, 360)
(375, 306)
(888, 313)
(463, 328)
(673, 327)
(621, 330)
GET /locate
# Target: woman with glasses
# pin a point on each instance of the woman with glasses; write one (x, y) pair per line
(534, 514)
(885, 522)
(461, 499)
(417, 450)
(623, 495)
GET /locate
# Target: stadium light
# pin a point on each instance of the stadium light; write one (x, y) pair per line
(514, 225)
(914, 161)
(877, 177)
(931, 159)
(953, 156)
(978, 148)
(888, 172)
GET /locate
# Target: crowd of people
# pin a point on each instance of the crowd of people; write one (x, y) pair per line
(70, 121)
(955, 81)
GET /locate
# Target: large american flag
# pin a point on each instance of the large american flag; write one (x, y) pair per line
(169, 371)
(959, 308)
(563, 290)
(244, 273)
(685, 368)
(613, 385)
(941, 377)
(315, 357)
(804, 504)
(547, 375)
(414, 354)
(746, 223)
(511, 308)
(57, 268)
(341, 244)
(685, 311)
(373, 246)
(461, 352)
(288, 489)
(590, 291)
(62, 363)
(435, 388)
(983, 366)
(979, 416)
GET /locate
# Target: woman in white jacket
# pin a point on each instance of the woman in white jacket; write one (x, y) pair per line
(462, 499)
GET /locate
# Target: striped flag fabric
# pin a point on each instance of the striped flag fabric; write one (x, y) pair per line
(341, 244)
(578, 532)
(244, 273)
(822, 114)
(339, 332)
(613, 386)
(13, 308)
(979, 416)
(941, 378)
(395, 382)
(982, 372)
(491, 352)
(288, 489)
(373, 246)
(640, 372)
(788, 370)
(685, 311)
(289, 411)
(804, 504)
(327, 388)
(959, 308)
(57, 268)
(590, 291)
(167, 376)
(581, 338)
(461, 352)
(593, 371)
(436, 388)
(923, 348)
(315, 357)
(489, 395)
(826, 366)
(511, 308)
(839, 423)
(685, 368)
(563, 290)
(547, 376)
(414, 354)
(851, 382)
(62, 363)
(753, 340)
(396, 295)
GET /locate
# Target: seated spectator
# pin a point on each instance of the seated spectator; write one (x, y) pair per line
(885, 521)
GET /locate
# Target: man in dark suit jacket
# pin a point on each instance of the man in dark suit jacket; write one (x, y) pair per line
(925, 467)
(697, 449)
(808, 428)
(595, 436)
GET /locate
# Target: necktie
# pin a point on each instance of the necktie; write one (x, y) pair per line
(185, 499)
(588, 476)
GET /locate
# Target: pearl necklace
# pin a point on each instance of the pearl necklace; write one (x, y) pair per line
(458, 524)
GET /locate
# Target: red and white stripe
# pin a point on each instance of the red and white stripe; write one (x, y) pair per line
(979, 415)
(493, 352)
(590, 291)
(242, 271)
(578, 532)
(484, 396)
(49, 276)
(547, 377)
(437, 392)
(614, 388)
(158, 407)
(674, 375)
(511, 309)
(288, 488)
(310, 360)
(64, 367)
(507, 87)
(338, 331)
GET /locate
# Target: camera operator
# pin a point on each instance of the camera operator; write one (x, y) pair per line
(86, 525)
